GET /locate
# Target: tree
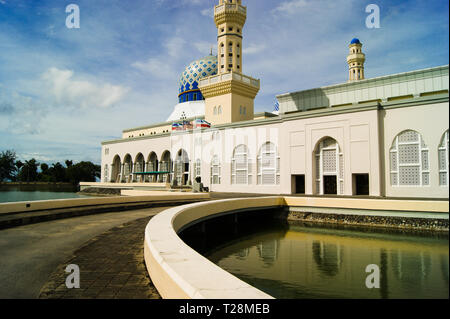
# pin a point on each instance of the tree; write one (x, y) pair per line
(83, 172)
(44, 168)
(28, 173)
(7, 165)
(69, 163)
(57, 173)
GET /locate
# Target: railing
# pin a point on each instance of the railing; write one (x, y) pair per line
(230, 7)
(230, 76)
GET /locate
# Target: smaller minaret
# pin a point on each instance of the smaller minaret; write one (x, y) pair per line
(355, 60)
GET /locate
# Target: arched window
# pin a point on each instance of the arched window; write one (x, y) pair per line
(268, 165)
(127, 168)
(181, 168)
(198, 168)
(139, 166)
(329, 168)
(409, 160)
(166, 167)
(215, 110)
(219, 110)
(105, 173)
(241, 167)
(215, 136)
(215, 170)
(443, 160)
(116, 170)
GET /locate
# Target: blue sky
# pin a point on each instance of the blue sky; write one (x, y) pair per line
(63, 91)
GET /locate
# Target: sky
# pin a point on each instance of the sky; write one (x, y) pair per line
(64, 91)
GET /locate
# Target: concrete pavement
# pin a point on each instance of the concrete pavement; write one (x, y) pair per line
(29, 254)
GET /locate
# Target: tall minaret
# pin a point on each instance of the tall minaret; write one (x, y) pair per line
(355, 60)
(229, 17)
(229, 95)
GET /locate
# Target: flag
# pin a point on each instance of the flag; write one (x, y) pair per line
(176, 127)
(199, 123)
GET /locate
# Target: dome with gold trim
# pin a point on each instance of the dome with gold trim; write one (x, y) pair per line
(189, 80)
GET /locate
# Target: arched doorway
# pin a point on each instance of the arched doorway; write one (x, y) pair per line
(181, 168)
(165, 166)
(152, 166)
(329, 168)
(116, 169)
(127, 167)
(139, 166)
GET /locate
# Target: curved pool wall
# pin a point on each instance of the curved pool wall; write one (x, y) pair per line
(179, 272)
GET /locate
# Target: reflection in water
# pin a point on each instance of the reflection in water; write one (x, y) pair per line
(268, 251)
(243, 253)
(384, 289)
(411, 267)
(304, 261)
(444, 267)
(327, 257)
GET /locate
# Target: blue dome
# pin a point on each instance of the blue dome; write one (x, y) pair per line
(191, 76)
(355, 41)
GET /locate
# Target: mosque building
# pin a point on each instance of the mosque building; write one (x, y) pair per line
(386, 136)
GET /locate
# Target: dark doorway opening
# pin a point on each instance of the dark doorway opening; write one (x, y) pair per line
(298, 184)
(360, 184)
(330, 185)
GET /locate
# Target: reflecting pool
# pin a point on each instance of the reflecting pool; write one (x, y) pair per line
(311, 261)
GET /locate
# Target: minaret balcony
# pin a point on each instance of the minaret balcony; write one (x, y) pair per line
(230, 76)
(230, 7)
(231, 13)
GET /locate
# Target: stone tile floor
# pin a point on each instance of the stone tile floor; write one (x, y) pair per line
(111, 267)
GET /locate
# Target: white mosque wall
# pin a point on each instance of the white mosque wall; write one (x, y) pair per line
(431, 122)
(364, 138)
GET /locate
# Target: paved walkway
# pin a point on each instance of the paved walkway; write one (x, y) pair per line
(29, 254)
(111, 266)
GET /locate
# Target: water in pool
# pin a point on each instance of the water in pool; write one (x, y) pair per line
(311, 261)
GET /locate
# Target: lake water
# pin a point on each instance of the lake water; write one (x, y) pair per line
(309, 261)
(20, 196)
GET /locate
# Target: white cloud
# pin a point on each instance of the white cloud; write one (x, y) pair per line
(290, 7)
(158, 67)
(205, 47)
(208, 12)
(65, 91)
(173, 46)
(254, 48)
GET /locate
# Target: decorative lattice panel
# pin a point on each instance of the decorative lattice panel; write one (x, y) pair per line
(425, 162)
(241, 161)
(329, 161)
(268, 178)
(268, 160)
(393, 158)
(443, 179)
(442, 160)
(394, 179)
(408, 154)
(317, 167)
(408, 136)
(341, 167)
(410, 175)
(425, 178)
